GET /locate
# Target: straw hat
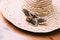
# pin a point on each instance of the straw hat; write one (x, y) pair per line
(32, 15)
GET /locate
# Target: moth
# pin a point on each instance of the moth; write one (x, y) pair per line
(33, 19)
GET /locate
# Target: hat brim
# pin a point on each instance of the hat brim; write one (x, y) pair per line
(12, 12)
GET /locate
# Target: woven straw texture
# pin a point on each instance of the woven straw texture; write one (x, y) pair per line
(12, 10)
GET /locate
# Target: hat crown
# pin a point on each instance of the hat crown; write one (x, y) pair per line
(38, 7)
